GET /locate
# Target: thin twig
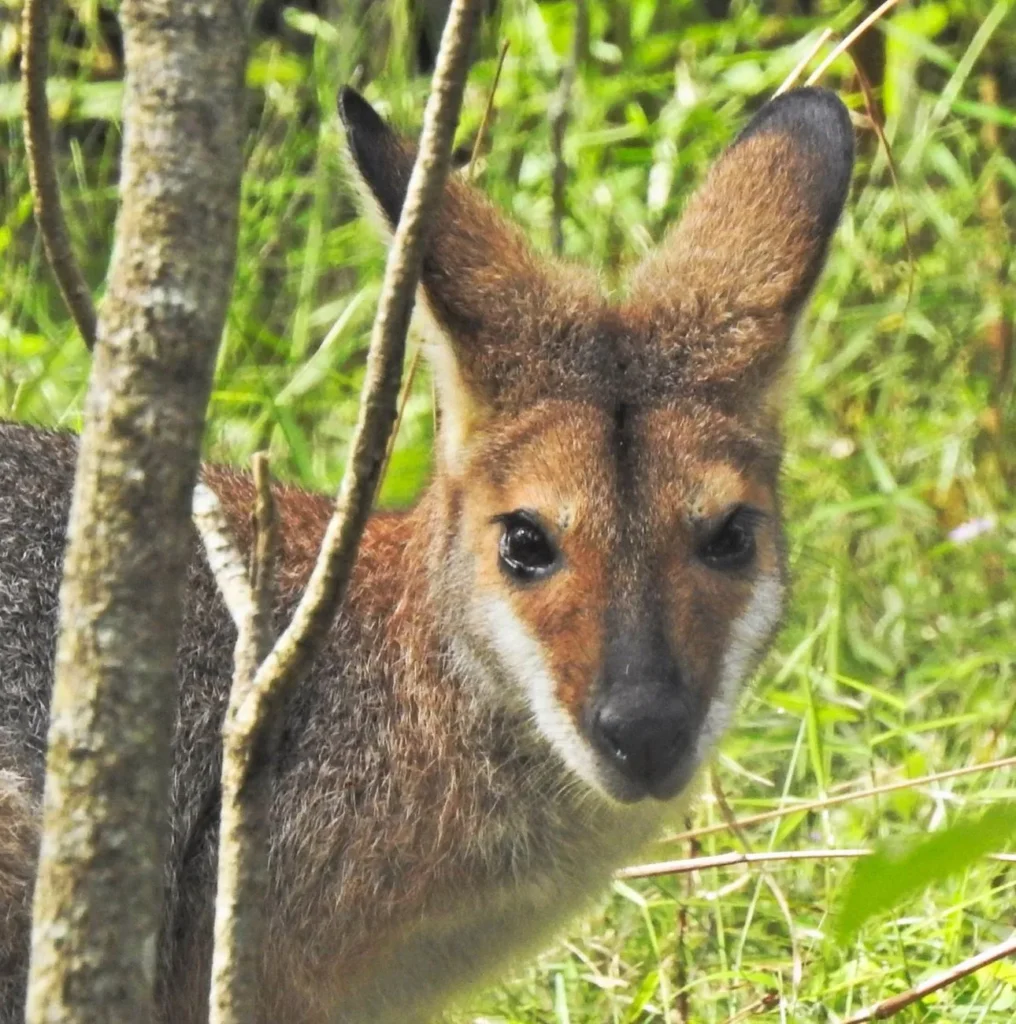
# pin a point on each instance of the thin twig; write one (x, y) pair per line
(482, 133)
(791, 79)
(560, 111)
(42, 177)
(726, 860)
(414, 363)
(407, 387)
(876, 123)
(249, 733)
(850, 38)
(890, 1007)
(735, 859)
(726, 811)
(842, 798)
(244, 820)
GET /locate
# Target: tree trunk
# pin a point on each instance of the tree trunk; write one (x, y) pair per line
(98, 898)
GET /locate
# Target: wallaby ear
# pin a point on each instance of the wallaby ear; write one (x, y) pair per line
(753, 239)
(490, 304)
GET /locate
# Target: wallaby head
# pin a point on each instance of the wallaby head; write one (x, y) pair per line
(609, 551)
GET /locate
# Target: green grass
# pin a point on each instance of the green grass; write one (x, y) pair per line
(898, 657)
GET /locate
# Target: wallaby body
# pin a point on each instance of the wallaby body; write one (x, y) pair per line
(434, 849)
(529, 666)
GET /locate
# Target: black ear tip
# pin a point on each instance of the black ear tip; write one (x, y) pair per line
(357, 114)
(819, 125)
(382, 160)
(815, 117)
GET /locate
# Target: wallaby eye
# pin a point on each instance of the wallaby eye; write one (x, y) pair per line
(526, 552)
(731, 543)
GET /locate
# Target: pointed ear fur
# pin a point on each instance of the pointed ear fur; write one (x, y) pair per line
(490, 307)
(753, 239)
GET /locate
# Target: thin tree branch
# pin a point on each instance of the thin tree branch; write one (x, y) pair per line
(250, 731)
(42, 177)
(100, 890)
(842, 798)
(890, 1007)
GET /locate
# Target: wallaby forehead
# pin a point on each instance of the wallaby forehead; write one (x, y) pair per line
(621, 466)
(628, 356)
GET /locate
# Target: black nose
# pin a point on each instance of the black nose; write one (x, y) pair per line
(644, 739)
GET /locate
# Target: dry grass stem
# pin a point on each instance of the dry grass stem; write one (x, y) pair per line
(726, 860)
(482, 133)
(559, 116)
(791, 79)
(849, 39)
(769, 1001)
(872, 109)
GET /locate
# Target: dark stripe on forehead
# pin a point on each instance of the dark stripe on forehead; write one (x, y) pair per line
(623, 445)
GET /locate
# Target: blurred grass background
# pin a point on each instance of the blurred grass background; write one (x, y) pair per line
(898, 658)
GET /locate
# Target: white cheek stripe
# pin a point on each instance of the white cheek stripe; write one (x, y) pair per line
(748, 636)
(522, 656)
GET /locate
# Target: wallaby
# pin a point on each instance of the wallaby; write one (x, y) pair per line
(530, 665)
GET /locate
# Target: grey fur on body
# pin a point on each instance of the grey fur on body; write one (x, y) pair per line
(404, 861)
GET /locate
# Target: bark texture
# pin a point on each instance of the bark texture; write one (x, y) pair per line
(254, 713)
(99, 892)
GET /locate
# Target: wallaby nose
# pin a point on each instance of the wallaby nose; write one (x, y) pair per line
(645, 743)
